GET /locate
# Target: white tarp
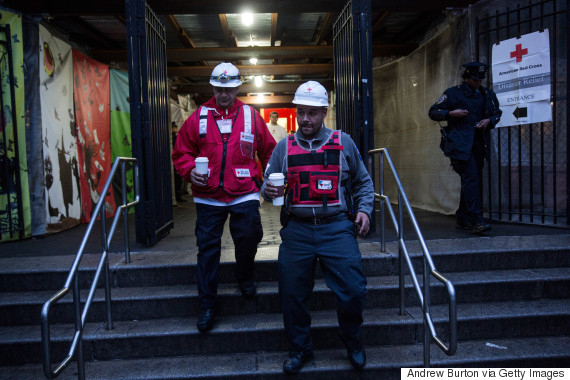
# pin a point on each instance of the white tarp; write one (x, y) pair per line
(521, 79)
(404, 90)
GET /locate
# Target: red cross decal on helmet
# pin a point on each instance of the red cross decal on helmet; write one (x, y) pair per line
(519, 52)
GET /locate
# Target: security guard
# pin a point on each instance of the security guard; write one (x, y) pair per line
(324, 173)
(471, 111)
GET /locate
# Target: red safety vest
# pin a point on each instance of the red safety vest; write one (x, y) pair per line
(313, 177)
(232, 164)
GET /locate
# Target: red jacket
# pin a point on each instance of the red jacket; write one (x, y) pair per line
(232, 165)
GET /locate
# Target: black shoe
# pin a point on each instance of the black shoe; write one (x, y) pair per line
(357, 357)
(296, 361)
(206, 319)
(480, 228)
(462, 225)
(248, 289)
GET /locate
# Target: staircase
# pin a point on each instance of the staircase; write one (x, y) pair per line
(513, 296)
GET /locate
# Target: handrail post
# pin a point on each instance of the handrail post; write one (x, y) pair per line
(382, 202)
(106, 275)
(79, 347)
(125, 211)
(429, 269)
(427, 333)
(107, 280)
(72, 282)
(401, 254)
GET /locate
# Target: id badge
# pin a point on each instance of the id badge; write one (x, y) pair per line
(225, 125)
(246, 144)
(242, 173)
(324, 184)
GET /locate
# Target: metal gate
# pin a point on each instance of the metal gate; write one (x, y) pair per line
(11, 205)
(352, 48)
(148, 91)
(527, 176)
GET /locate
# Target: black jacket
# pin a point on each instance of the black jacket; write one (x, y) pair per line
(461, 131)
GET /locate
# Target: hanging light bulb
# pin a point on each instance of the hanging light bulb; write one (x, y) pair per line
(258, 81)
(247, 19)
(253, 61)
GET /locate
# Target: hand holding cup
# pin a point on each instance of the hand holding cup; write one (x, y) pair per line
(275, 188)
(199, 174)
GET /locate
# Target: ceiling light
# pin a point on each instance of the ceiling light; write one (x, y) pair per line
(253, 61)
(247, 19)
(260, 96)
(258, 81)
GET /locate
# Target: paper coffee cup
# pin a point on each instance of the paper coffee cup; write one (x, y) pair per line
(202, 165)
(278, 180)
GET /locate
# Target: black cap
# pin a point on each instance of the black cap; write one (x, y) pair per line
(476, 70)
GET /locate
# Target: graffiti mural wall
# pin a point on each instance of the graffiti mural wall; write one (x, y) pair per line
(91, 98)
(15, 221)
(61, 166)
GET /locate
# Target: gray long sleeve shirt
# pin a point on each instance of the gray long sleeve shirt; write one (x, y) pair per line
(362, 188)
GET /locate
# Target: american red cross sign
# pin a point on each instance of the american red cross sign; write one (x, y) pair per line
(521, 78)
(519, 52)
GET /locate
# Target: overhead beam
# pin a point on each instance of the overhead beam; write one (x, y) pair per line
(325, 28)
(163, 7)
(180, 32)
(281, 87)
(244, 53)
(228, 53)
(304, 69)
(228, 35)
(255, 100)
(273, 35)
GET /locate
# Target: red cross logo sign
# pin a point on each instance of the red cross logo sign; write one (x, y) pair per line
(519, 52)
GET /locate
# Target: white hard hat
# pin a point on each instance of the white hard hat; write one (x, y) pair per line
(311, 93)
(225, 75)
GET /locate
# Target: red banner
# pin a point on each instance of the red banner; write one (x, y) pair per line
(91, 95)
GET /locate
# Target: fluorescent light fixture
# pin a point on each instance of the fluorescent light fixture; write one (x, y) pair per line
(258, 81)
(253, 61)
(247, 19)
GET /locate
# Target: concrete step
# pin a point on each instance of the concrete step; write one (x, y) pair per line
(179, 267)
(152, 302)
(383, 362)
(264, 332)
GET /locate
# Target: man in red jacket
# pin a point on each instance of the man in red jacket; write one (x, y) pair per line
(229, 133)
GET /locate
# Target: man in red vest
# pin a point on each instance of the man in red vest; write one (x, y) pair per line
(228, 133)
(329, 200)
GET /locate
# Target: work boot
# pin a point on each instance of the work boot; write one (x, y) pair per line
(248, 289)
(206, 319)
(296, 361)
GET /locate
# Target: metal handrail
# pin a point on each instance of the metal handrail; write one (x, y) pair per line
(404, 258)
(72, 282)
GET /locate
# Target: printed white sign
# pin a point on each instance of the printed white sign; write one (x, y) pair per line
(241, 173)
(521, 79)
